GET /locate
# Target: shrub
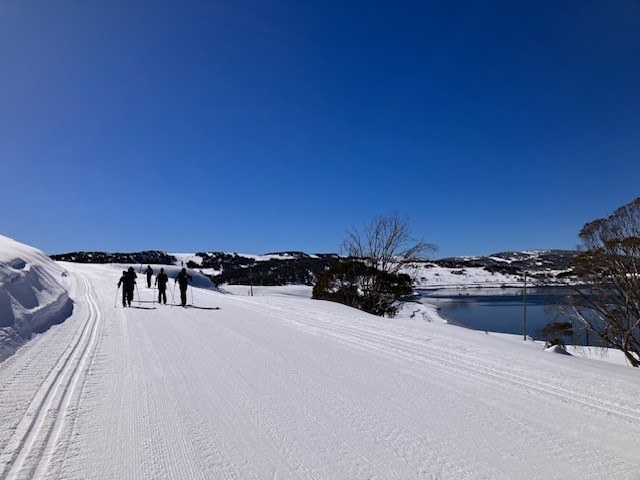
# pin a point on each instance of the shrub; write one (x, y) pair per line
(364, 287)
(556, 332)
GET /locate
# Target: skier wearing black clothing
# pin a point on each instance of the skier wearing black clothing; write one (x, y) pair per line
(128, 281)
(122, 280)
(183, 282)
(149, 272)
(161, 281)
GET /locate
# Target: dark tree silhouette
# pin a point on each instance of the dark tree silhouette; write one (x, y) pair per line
(608, 303)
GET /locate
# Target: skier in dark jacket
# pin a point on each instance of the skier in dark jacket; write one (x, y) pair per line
(149, 272)
(183, 282)
(122, 280)
(161, 281)
(128, 281)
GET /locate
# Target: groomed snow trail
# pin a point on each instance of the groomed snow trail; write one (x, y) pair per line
(269, 387)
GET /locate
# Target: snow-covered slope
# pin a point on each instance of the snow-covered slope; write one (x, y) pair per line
(284, 387)
(542, 267)
(32, 294)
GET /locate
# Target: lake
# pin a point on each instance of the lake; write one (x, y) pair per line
(498, 309)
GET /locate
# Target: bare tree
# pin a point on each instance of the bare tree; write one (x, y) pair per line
(376, 276)
(608, 304)
(386, 243)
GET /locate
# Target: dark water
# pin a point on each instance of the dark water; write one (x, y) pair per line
(499, 310)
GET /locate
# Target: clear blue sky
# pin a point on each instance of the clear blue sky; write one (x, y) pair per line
(261, 126)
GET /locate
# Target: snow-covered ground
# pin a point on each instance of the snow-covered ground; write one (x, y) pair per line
(433, 276)
(440, 277)
(302, 291)
(281, 386)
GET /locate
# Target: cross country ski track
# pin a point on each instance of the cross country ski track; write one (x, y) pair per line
(28, 450)
(288, 388)
(406, 349)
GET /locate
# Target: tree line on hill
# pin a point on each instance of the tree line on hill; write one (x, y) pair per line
(286, 268)
(135, 258)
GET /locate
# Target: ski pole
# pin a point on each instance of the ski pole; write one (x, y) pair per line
(191, 295)
(172, 292)
(116, 304)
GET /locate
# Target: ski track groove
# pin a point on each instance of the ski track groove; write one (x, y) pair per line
(24, 358)
(54, 435)
(65, 454)
(34, 431)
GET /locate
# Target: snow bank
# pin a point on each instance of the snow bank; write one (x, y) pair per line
(556, 349)
(32, 294)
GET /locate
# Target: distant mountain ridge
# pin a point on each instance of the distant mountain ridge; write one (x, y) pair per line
(294, 267)
(511, 261)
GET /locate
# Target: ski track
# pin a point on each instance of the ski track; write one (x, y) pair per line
(406, 350)
(270, 388)
(446, 358)
(45, 416)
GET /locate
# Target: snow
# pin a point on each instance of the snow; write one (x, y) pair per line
(302, 291)
(184, 258)
(32, 296)
(590, 353)
(609, 355)
(419, 310)
(433, 276)
(556, 349)
(282, 386)
(503, 260)
(271, 256)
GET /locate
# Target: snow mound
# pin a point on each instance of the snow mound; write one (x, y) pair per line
(32, 297)
(420, 311)
(557, 349)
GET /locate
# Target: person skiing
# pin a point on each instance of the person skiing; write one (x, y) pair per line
(122, 280)
(149, 272)
(183, 282)
(129, 284)
(161, 281)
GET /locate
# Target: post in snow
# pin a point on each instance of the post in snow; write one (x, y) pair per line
(524, 307)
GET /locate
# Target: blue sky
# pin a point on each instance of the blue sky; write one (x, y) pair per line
(262, 126)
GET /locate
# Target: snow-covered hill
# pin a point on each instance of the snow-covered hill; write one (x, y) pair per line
(33, 295)
(543, 267)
